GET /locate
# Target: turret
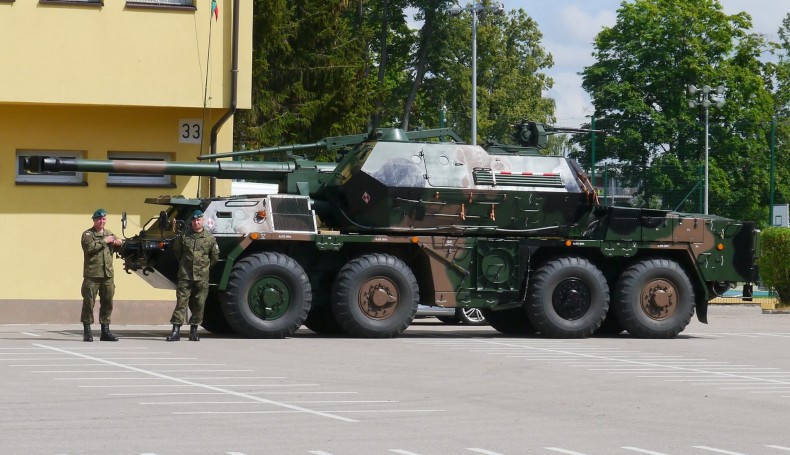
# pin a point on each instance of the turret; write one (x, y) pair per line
(395, 181)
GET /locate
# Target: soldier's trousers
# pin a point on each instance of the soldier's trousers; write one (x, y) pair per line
(193, 294)
(105, 288)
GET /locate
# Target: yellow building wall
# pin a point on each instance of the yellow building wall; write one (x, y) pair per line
(97, 80)
(43, 223)
(122, 56)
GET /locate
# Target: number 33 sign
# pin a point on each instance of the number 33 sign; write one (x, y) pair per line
(190, 131)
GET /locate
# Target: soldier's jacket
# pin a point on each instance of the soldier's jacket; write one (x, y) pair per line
(196, 253)
(97, 254)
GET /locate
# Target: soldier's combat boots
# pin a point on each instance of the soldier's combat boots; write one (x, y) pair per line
(106, 335)
(176, 334)
(193, 336)
(87, 335)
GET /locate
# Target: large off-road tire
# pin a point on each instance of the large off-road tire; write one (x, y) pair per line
(375, 296)
(610, 325)
(321, 320)
(568, 298)
(654, 298)
(213, 318)
(513, 321)
(268, 296)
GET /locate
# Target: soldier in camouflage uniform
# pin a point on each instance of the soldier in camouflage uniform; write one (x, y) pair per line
(196, 251)
(98, 246)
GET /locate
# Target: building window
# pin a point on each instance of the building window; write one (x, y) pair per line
(75, 2)
(49, 178)
(120, 179)
(160, 2)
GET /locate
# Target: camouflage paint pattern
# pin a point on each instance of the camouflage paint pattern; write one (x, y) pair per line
(468, 221)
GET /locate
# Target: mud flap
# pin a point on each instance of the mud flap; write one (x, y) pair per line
(702, 311)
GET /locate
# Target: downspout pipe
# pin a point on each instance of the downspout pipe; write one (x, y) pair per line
(234, 87)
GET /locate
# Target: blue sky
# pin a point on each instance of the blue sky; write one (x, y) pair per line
(569, 27)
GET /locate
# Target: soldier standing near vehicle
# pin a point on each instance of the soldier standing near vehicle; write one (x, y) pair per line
(196, 251)
(98, 246)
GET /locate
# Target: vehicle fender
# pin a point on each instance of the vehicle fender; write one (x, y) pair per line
(230, 261)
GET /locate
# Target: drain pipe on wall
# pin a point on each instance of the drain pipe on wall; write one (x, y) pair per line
(234, 79)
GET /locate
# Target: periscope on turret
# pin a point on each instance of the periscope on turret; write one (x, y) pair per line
(419, 217)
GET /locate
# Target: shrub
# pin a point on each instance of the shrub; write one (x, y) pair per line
(774, 261)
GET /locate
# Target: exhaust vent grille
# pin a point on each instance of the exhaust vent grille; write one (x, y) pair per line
(292, 214)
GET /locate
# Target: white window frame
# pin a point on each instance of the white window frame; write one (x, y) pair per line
(82, 2)
(57, 178)
(162, 2)
(114, 178)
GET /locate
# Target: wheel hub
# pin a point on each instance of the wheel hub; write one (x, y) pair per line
(571, 299)
(269, 298)
(659, 299)
(378, 298)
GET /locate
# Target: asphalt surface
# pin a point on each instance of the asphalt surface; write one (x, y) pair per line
(721, 388)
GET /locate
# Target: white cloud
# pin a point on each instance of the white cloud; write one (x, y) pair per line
(573, 104)
(569, 28)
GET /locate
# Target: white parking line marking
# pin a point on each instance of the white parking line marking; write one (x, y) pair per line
(648, 452)
(159, 371)
(205, 386)
(786, 449)
(234, 453)
(569, 452)
(483, 451)
(403, 452)
(185, 383)
(136, 394)
(171, 403)
(705, 370)
(30, 334)
(335, 411)
(318, 452)
(94, 365)
(188, 379)
(713, 449)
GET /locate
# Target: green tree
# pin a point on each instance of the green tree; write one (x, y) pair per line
(510, 59)
(309, 73)
(782, 102)
(335, 67)
(638, 87)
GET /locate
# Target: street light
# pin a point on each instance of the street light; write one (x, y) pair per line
(476, 9)
(703, 98)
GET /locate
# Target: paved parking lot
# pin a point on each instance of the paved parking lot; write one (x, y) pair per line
(719, 388)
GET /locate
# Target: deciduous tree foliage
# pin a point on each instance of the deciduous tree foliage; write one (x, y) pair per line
(645, 62)
(333, 67)
(782, 93)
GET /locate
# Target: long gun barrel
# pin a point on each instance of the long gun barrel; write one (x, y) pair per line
(251, 170)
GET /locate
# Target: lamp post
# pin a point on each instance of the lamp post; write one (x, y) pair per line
(703, 98)
(476, 9)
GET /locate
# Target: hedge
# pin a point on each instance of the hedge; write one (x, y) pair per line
(774, 261)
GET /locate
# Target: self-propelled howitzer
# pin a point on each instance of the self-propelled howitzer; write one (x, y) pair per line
(355, 246)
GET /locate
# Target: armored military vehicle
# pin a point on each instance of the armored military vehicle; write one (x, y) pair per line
(404, 218)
